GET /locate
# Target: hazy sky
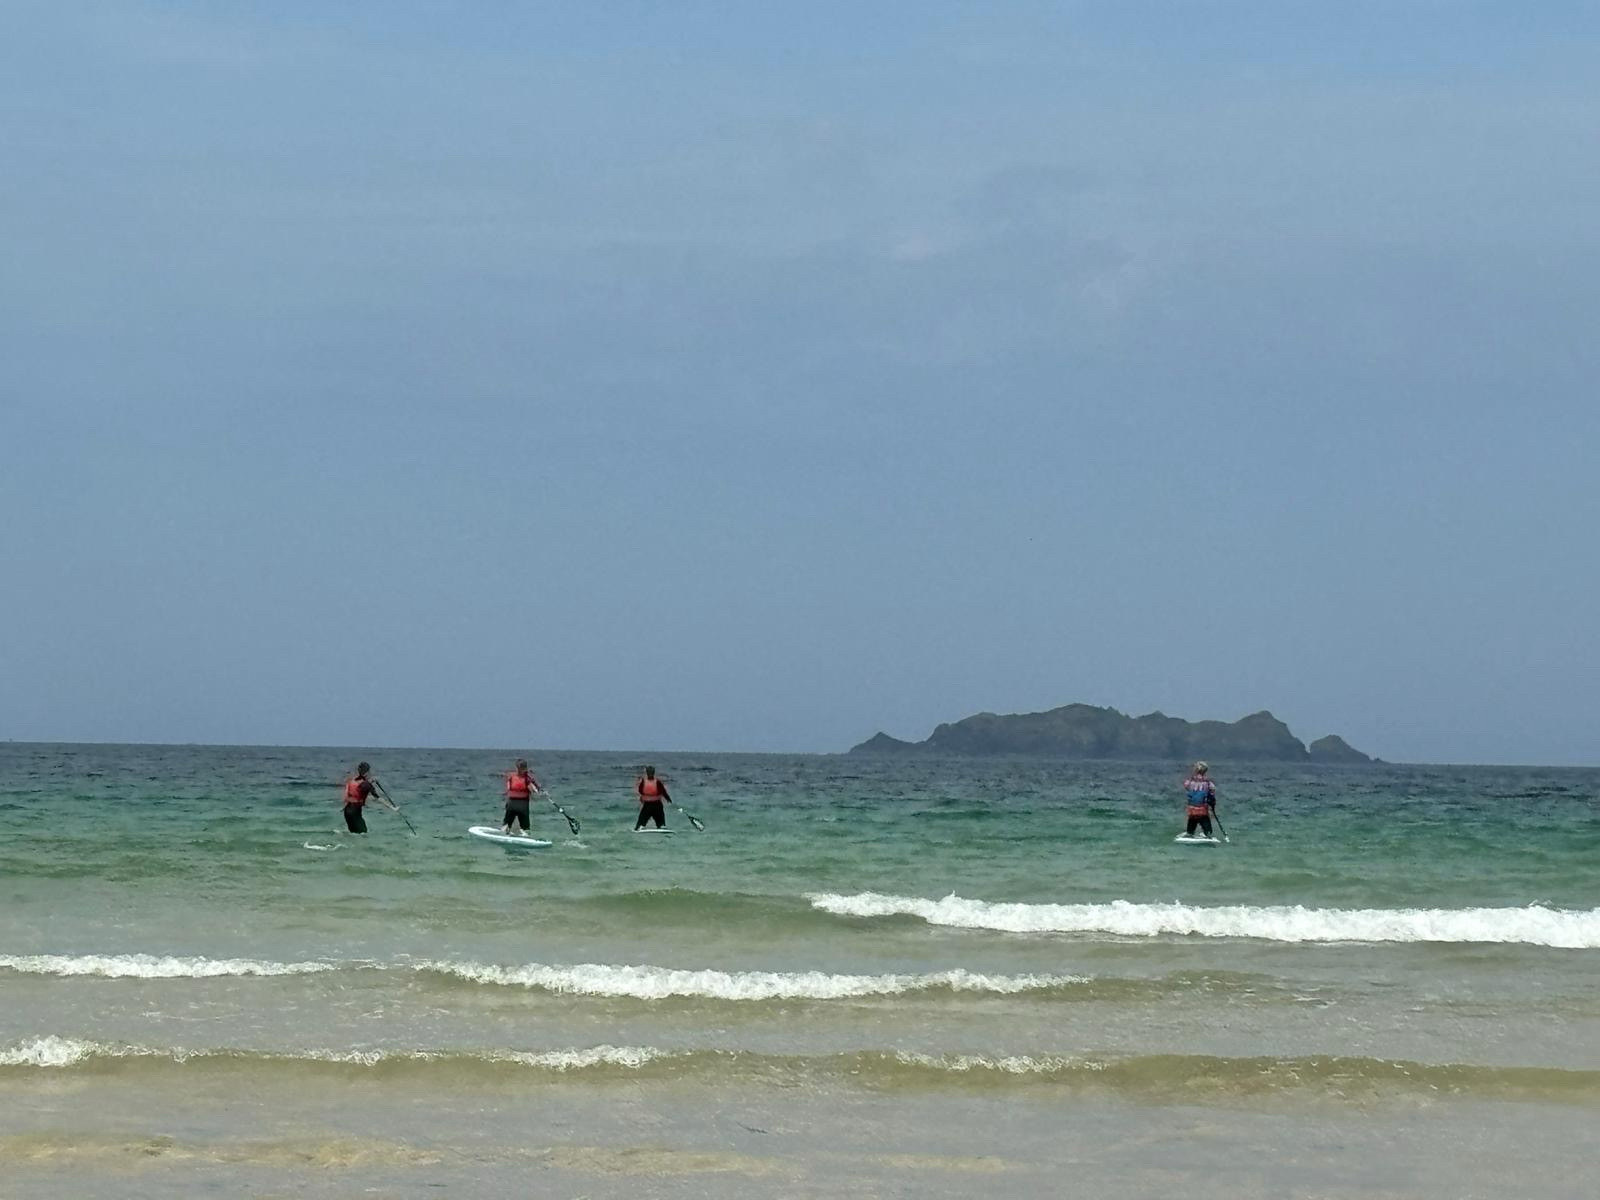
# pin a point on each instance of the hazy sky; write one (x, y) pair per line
(691, 376)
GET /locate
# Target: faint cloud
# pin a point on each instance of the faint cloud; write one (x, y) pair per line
(1028, 194)
(929, 242)
(173, 39)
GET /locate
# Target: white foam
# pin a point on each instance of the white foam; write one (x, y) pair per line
(658, 983)
(592, 1056)
(149, 966)
(1010, 1064)
(48, 1052)
(557, 1060)
(641, 982)
(1534, 925)
(53, 1051)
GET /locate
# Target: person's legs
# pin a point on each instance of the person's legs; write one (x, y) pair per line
(353, 820)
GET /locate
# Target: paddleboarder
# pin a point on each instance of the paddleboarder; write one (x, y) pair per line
(1202, 797)
(521, 787)
(652, 795)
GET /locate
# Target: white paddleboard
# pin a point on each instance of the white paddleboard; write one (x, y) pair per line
(491, 833)
(1183, 839)
(653, 829)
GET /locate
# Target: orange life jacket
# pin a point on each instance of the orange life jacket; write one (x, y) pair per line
(518, 787)
(352, 791)
(649, 789)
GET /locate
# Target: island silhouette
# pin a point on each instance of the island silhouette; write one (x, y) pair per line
(1089, 732)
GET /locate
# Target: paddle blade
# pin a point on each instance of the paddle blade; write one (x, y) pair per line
(572, 821)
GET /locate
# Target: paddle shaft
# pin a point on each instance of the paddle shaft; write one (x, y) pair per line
(390, 802)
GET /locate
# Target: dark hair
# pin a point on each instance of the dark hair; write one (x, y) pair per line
(363, 768)
(649, 772)
(522, 764)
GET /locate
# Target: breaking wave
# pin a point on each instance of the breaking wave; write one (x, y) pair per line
(1532, 926)
(53, 1051)
(639, 982)
(659, 983)
(150, 966)
(1163, 1078)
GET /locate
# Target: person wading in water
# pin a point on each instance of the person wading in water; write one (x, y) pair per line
(358, 789)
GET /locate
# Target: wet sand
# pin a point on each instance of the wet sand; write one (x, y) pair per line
(62, 1138)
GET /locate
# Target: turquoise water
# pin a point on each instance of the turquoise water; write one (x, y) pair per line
(195, 917)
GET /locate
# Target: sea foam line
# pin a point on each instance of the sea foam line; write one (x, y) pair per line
(659, 983)
(1164, 1078)
(54, 1051)
(151, 966)
(605, 980)
(1533, 926)
(1005, 1064)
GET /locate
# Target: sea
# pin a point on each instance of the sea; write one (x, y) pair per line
(857, 976)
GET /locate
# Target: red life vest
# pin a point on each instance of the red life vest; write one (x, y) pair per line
(649, 789)
(352, 791)
(518, 787)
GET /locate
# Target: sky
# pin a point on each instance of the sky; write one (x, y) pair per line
(719, 377)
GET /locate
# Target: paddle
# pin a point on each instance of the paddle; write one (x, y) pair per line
(1220, 829)
(571, 820)
(378, 787)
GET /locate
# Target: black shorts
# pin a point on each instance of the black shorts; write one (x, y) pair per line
(353, 820)
(651, 810)
(516, 810)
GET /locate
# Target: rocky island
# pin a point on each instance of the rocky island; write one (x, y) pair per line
(1085, 731)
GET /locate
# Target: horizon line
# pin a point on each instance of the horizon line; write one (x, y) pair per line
(1376, 762)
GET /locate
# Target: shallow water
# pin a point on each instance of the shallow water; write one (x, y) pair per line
(896, 938)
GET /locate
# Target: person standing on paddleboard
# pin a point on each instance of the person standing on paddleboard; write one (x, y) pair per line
(521, 787)
(652, 795)
(1202, 796)
(358, 789)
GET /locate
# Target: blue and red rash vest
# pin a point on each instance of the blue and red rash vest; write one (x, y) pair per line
(649, 789)
(518, 787)
(1202, 794)
(354, 791)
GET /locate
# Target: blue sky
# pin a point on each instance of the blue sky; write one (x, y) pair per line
(671, 376)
